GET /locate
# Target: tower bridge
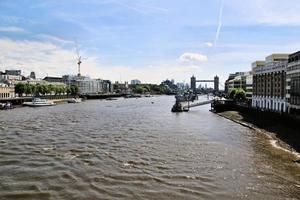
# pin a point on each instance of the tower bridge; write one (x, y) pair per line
(194, 81)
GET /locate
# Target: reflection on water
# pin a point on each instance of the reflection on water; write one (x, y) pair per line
(133, 149)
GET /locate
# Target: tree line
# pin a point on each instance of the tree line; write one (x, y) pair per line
(150, 88)
(38, 89)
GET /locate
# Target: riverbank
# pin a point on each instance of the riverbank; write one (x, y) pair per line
(286, 138)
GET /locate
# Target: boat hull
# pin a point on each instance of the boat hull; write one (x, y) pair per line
(37, 105)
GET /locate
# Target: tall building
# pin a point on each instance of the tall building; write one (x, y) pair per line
(269, 83)
(135, 82)
(32, 75)
(293, 83)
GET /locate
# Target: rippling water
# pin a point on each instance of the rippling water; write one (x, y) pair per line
(136, 149)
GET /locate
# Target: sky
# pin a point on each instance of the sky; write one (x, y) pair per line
(149, 40)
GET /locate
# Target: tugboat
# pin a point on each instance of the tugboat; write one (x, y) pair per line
(37, 102)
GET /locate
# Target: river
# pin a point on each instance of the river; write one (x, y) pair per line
(137, 149)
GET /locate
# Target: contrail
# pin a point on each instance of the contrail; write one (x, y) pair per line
(220, 23)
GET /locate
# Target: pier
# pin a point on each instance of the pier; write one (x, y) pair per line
(184, 106)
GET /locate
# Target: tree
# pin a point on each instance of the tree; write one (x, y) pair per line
(45, 89)
(240, 95)
(68, 90)
(63, 89)
(33, 89)
(27, 89)
(20, 89)
(39, 89)
(51, 88)
(74, 90)
(140, 89)
(232, 93)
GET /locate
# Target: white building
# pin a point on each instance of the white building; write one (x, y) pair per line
(87, 85)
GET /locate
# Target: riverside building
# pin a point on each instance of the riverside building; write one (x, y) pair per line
(87, 85)
(6, 92)
(269, 80)
(293, 83)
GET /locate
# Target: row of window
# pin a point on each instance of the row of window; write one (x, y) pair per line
(4, 95)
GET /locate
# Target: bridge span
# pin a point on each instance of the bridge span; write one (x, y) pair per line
(201, 103)
(184, 106)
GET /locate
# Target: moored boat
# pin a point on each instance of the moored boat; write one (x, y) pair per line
(37, 102)
(6, 106)
(75, 100)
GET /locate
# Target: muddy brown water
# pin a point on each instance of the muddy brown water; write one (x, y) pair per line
(136, 149)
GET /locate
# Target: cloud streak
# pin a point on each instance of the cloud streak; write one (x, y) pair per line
(11, 29)
(220, 23)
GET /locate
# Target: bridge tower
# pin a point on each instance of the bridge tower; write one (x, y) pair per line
(193, 84)
(216, 84)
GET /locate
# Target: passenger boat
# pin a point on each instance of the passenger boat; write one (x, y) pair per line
(37, 102)
(75, 100)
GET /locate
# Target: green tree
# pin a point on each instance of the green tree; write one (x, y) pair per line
(39, 90)
(27, 89)
(240, 95)
(63, 89)
(140, 89)
(74, 90)
(232, 93)
(51, 88)
(68, 90)
(33, 90)
(20, 89)
(45, 89)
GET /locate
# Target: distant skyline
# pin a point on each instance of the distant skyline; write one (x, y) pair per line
(149, 40)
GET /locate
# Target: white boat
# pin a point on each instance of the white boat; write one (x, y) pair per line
(37, 102)
(75, 100)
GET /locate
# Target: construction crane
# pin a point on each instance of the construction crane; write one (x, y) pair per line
(79, 58)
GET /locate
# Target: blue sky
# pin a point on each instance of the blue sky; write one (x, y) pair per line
(150, 40)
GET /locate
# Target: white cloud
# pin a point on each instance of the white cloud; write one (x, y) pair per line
(269, 12)
(44, 57)
(209, 44)
(192, 57)
(11, 29)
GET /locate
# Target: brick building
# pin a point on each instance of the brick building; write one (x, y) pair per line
(269, 83)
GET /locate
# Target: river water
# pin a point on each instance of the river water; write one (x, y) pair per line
(137, 149)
